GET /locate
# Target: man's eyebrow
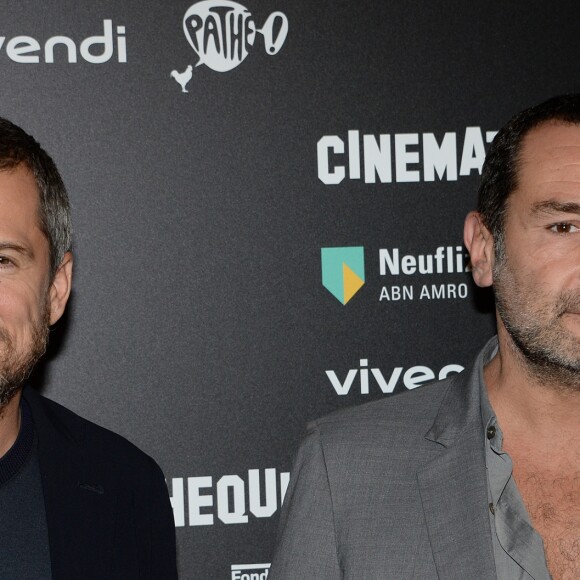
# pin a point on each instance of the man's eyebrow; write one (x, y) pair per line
(27, 252)
(551, 206)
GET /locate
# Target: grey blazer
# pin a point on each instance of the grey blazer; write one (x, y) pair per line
(393, 489)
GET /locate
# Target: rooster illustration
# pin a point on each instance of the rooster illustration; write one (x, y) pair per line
(183, 78)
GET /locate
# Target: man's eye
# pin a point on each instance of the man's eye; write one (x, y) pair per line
(564, 228)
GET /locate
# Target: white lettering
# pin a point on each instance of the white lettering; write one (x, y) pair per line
(415, 155)
(197, 501)
(397, 293)
(121, 44)
(22, 49)
(234, 513)
(353, 155)
(324, 174)
(229, 498)
(408, 265)
(271, 504)
(441, 291)
(392, 263)
(54, 40)
(19, 48)
(239, 575)
(416, 376)
(441, 159)
(449, 259)
(177, 501)
(473, 151)
(377, 158)
(383, 385)
(437, 291)
(448, 370)
(426, 264)
(284, 482)
(340, 388)
(106, 40)
(412, 378)
(403, 157)
(364, 376)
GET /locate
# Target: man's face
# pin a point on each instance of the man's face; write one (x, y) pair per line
(24, 280)
(537, 285)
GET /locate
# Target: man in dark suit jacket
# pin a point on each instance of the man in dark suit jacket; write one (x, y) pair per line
(77, 501)
(477, 476)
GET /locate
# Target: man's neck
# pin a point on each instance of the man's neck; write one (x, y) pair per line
(524, 403)
(9, 423)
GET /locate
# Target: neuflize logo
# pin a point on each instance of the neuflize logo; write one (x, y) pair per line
(250, 571)
(343, 271)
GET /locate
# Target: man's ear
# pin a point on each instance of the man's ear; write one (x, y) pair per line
(60, 288)
(479, 242)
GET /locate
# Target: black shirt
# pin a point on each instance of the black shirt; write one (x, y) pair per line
(24, 550)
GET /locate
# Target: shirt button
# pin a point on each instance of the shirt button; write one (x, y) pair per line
(491, 508)
(491, 432)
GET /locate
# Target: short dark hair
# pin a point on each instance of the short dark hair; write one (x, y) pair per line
(18, 147)
(500, 171)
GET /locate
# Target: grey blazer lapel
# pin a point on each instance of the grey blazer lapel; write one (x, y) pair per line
(454, 497)
(453, 486)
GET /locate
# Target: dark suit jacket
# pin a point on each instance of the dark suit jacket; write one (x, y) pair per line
(394, 489)
(107, 507)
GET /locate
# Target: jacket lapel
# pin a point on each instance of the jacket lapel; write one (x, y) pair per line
(79, 496)
(454, 497)
(453, 486)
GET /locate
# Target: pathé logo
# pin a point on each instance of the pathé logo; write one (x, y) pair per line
(221, 32)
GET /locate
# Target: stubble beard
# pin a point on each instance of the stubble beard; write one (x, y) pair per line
(533, 321)
(15, 367)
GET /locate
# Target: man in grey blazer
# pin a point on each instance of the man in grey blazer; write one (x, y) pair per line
(476, 476)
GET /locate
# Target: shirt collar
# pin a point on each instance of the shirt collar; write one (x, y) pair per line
(488, 418)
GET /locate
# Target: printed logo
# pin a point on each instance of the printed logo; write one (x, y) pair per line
(111, 45)
(250, 571)
(205, 500)
(402, 157)
(343, 271)
(222, 32)
(365, 380)
(448, 261)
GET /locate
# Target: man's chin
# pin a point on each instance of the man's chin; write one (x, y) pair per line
(7, 393)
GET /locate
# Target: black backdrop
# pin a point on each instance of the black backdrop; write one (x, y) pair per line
(199, 327)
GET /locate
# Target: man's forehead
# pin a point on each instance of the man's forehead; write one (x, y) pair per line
(552, 140)
(23, 171)
(19, 191)
(549, 163)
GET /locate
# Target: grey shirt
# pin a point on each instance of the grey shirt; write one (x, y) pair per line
(518, 548)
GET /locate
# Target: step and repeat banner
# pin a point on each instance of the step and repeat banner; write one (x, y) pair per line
(268, 199)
